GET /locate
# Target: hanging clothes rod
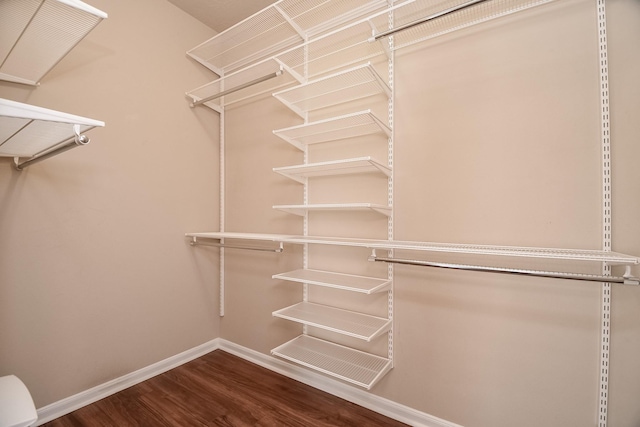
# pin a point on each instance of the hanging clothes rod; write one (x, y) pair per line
(426, 19)
(626, 279)
(73, 142)
(237, 88)
(196, 242)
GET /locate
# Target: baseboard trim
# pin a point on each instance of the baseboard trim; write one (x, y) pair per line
(345, 391)
(77, 401)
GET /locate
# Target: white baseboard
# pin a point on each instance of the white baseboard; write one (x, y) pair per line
(345, 391)
(77, 401)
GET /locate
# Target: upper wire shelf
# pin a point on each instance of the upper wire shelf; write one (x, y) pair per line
(301, 210)
(333, 129)
(36, 35)
(35, 132)
(276, 28)
(262, 78)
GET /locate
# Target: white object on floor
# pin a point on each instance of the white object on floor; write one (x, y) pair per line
(16, 405)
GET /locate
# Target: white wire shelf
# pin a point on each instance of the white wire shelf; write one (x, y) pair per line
(261, 78)
(278, 27)
(443, 17)
(365, 164)
(356, 367)
(345, 282)
(355, 83)
(345, 322)
(36, 35)
(333, 129)
(509, 251)
(30, 131)
(303, 209)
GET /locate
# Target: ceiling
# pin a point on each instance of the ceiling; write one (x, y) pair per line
(221, 14)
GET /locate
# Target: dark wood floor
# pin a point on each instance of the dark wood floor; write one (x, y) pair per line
(220, 389)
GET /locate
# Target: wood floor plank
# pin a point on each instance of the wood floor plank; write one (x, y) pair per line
(219, 389)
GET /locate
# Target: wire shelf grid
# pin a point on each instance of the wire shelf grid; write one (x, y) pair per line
(333, 129)
(346, 282)
(356, 83)
(345, 322)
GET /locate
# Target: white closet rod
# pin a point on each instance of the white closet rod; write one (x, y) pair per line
(237, 88)
(626, 279)
(425, 19)
(73, 142)
(196, 242)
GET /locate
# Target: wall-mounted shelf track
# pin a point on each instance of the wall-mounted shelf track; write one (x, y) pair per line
(345, 322)
(355, 83)
(27, 131)
(336, 128)
(357, 367)
(303, 209)
(346, 282)
(365, 164)
(37, 34)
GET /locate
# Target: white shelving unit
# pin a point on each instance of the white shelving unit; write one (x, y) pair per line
(27, 131)
(345, 282)
(303, 209)
(37, 34)
(365, 164)
(345, 322)
(356, 367)
(346, 126)
(326, 71)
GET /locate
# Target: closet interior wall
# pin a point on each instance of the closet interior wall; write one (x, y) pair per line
(95, 281)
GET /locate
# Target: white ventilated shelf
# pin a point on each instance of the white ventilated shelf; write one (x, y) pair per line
(510, 251)
(29, 131)
(346, 282)
(356, 367)
(276, 28)
(349, 85)
(346, 126)
(36, 35)
(261, 78)
(335, 167)
(345, 322)
(303, 209)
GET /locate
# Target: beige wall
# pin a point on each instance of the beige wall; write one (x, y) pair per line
(96, 280)
(497, 142)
